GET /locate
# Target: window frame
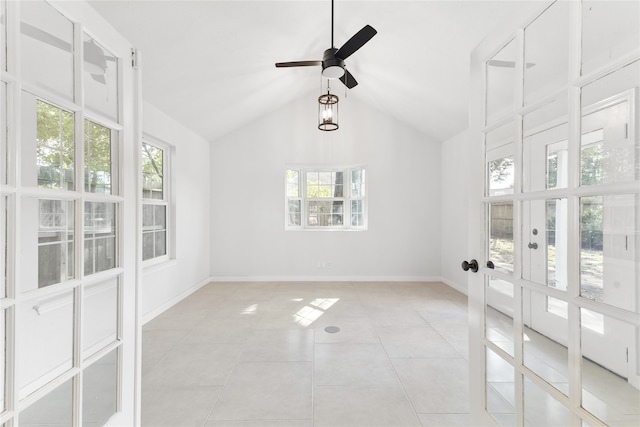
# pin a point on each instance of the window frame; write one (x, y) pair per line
(347, 198)
(167, 153)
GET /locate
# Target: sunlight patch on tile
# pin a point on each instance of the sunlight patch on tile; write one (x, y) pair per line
(251, 310)
(307, 314)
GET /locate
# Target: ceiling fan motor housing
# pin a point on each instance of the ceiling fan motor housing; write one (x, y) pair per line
(332, 67)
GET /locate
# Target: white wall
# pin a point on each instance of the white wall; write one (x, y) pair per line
(247, 209)
(167, 283)
(454, 230)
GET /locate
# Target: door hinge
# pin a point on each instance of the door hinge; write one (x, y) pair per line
(134, 58)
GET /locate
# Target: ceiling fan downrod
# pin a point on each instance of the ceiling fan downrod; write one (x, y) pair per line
(332, 45)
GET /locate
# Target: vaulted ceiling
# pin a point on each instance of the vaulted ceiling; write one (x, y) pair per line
(210, 64)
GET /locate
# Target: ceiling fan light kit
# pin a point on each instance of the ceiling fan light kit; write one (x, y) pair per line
(333, 67)
(328, 111)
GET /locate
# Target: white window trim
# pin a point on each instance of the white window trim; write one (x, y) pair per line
(168, 153)
(347, 198)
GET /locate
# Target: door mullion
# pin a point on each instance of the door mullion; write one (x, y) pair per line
(573, 213)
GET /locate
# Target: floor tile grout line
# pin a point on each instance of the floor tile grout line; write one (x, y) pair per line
(244, 345)
(404, 391)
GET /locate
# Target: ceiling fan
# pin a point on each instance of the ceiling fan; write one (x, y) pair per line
(333, 66)
(95, 59)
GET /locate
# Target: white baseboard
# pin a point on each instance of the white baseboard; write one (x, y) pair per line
(325, 279)
(173, 301)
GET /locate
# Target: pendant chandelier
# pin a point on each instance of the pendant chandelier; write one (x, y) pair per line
(328, 111)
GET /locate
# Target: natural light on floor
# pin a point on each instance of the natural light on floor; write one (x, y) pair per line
(307, 314)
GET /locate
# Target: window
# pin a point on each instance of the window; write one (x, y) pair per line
(155, 201)
(325, 199)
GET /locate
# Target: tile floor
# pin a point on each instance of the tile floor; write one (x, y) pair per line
(257, 354)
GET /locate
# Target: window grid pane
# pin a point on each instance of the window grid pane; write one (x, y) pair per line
(501, 236)
(97, 158)
(55, 242)
(99, 390)
(4, 249)
(325, 213)
(357, 183)
(293, 183)
(357, 213)
(55, 147)
(3, 132)
(154, 231)
(99, 237)
(325, 184)
(294, 212)
(152, 172)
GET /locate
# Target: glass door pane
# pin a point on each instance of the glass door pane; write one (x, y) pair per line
(546, 47)
(47, 330)
(609, 149)
(501, 78)
(541, 409)
(501, 236)
(46, 37)
(3, 35)
(610, 29)
(608, 349)
(545, 339)
(546, 147)
(100, 78)
(54, 409)
(100, 395)
(3, 135)
(500, 390)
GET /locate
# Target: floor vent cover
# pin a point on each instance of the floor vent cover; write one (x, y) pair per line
(332, 329)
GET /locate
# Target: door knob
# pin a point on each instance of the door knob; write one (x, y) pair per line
(471, 265)
(533, 245)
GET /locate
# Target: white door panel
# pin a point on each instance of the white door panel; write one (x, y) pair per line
(555, 305)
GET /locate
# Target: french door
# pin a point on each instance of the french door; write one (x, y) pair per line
(68, 206)
(555, 304)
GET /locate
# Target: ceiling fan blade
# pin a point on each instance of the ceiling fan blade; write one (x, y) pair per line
(94, 57)
(356, 42)
(38, 34)
(348, 80)
(99, 78)
(506, 64)
(298, 64)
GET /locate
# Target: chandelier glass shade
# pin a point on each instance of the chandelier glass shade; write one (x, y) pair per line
(328, 112)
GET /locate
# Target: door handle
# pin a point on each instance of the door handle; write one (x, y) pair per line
(533, 245)
(471, 265)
